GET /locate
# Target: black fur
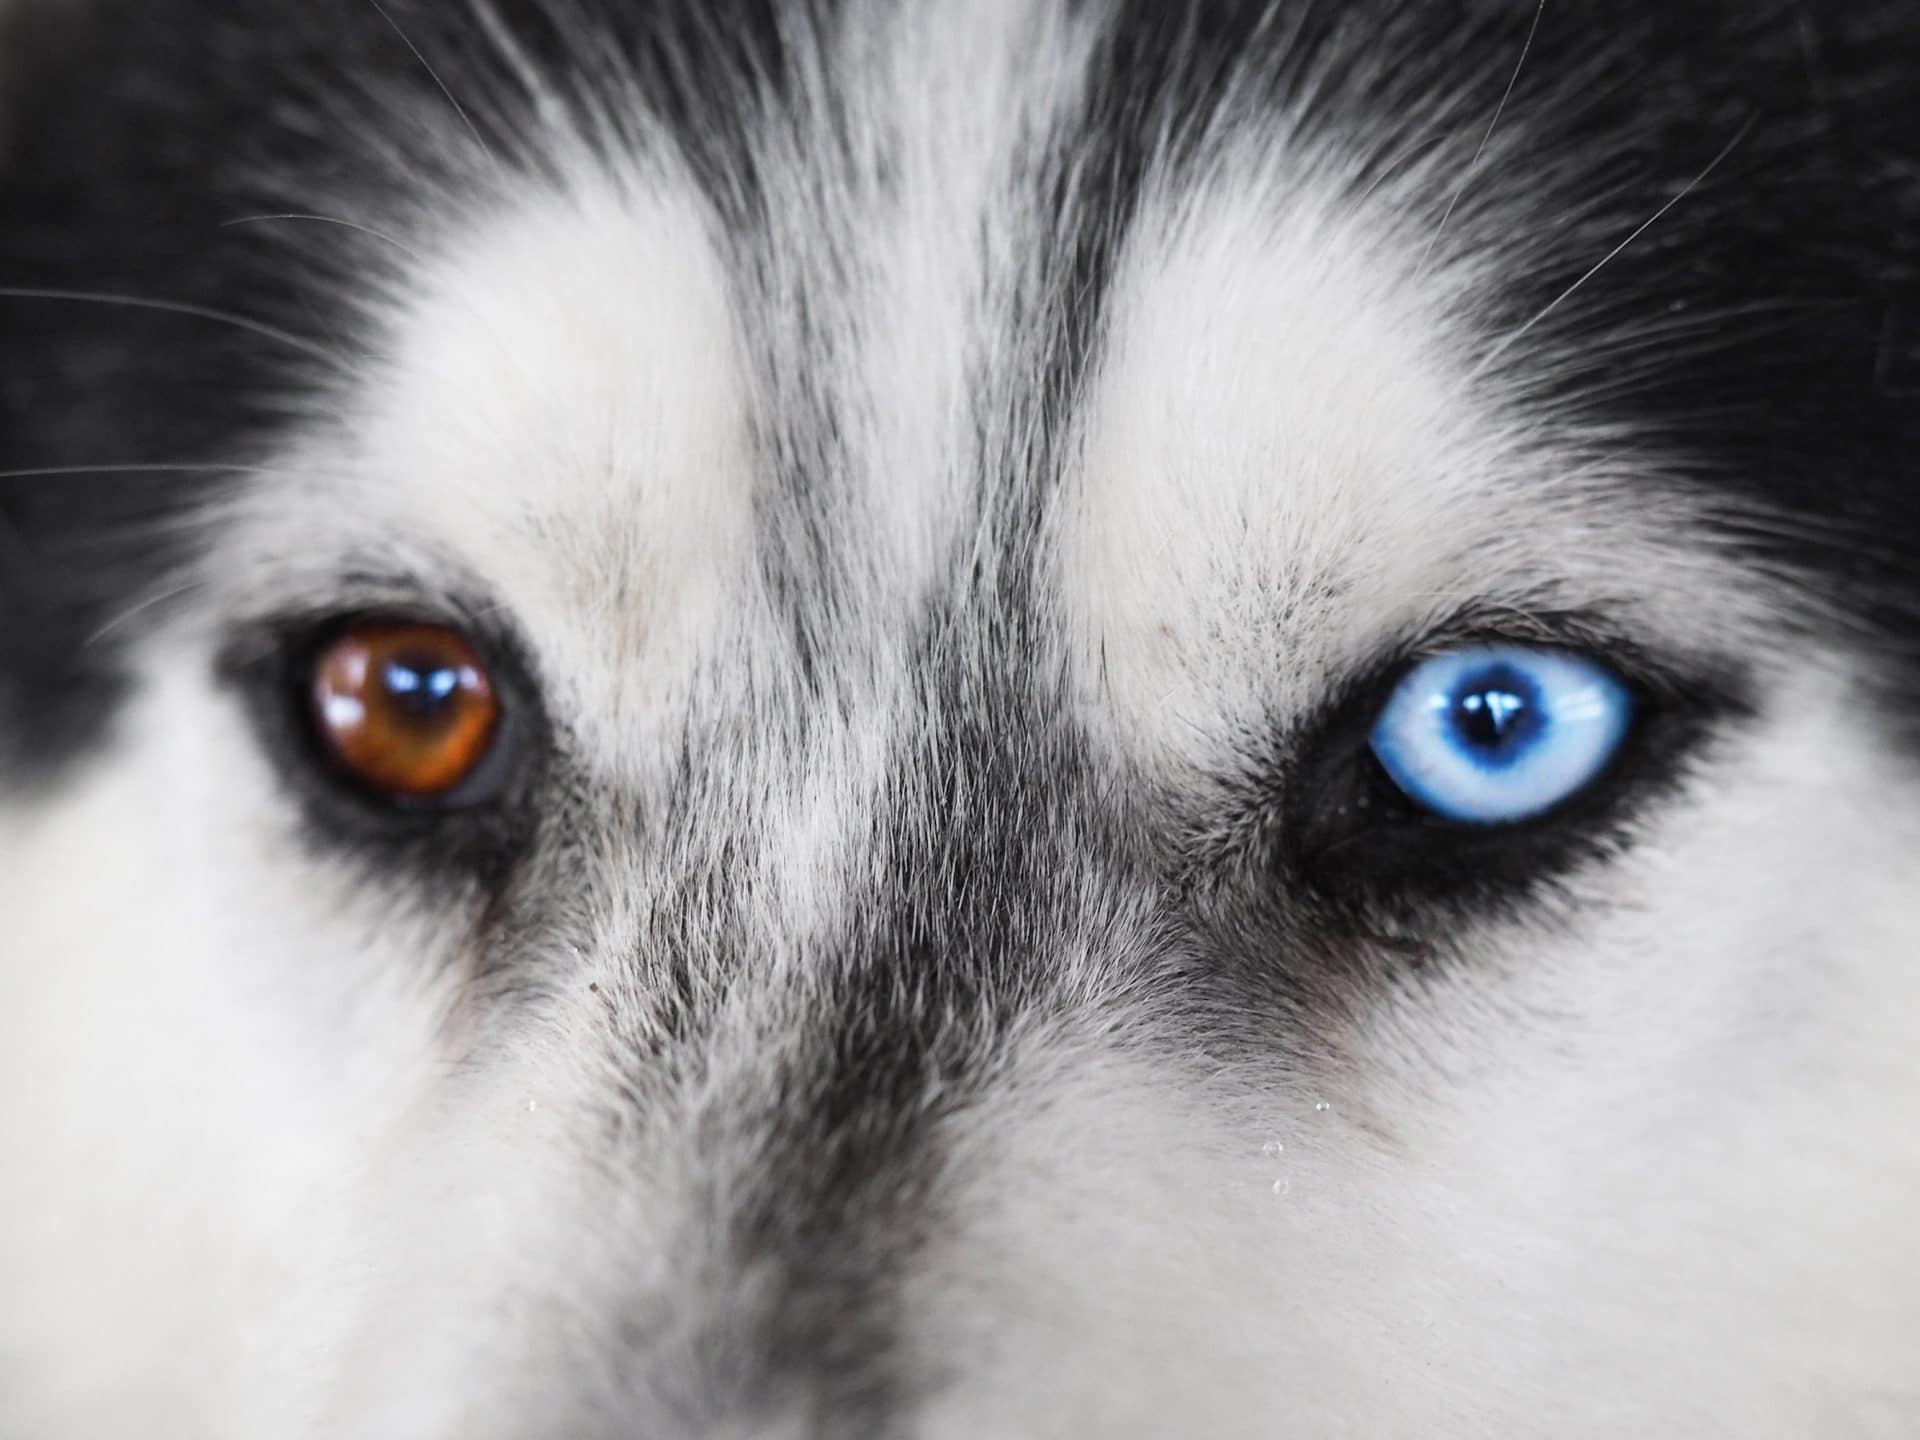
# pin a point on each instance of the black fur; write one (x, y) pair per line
(1763, 339)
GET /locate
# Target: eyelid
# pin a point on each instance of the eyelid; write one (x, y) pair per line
(1592, 633)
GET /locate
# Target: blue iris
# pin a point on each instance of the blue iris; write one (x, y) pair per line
(1492, 735)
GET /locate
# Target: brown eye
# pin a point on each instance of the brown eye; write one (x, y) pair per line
(407, 709)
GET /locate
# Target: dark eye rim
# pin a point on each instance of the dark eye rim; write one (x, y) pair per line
(1342, 830)
(482, 824)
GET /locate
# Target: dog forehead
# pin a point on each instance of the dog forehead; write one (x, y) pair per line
(1293, 458)
(553, 430)
(666, 438)
(654, 424)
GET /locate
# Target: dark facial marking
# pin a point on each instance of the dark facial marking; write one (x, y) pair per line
(1761, 339)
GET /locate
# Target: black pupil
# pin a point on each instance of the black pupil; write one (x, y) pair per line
(1497, 713)
(420, 687)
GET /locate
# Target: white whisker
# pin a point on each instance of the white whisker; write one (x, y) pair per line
(176, 307)
(369, 231)
(434, 75)
(1613, 254)
(54, 472)
(141, 607)
(1466, 179)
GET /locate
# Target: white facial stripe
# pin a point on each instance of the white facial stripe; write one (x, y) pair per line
(562, 414)
(603, 388)
(962, 103)
(1281, 459)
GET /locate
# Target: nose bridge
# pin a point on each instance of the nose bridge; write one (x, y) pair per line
(792, 1166)
(825, 1142)
(790, 1131)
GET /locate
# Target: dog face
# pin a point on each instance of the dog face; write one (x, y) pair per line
(926, 896)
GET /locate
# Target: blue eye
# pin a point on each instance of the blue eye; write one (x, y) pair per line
(1497, 734)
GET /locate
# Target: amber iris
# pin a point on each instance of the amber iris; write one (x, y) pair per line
(406, 709)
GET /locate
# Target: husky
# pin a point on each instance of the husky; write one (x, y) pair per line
(915, 719)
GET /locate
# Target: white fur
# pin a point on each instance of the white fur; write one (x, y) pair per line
(1631, 1178)
(1646, 1166)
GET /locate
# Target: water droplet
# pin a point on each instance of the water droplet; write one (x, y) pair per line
(1281, 1187)
(1273, 1148)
